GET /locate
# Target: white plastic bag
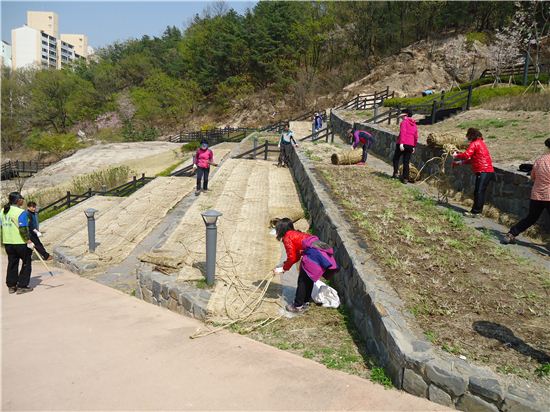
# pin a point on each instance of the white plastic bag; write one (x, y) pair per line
(325, 295)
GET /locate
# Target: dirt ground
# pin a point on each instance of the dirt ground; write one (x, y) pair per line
(513, 137)
(470, 297)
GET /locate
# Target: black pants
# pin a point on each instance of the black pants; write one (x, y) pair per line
(14, 276)
(39, 246)
(406, 159)
(482, 181)
(536, 207)
(303, 289)
(202, 172)
(366, 147)
(284, 154)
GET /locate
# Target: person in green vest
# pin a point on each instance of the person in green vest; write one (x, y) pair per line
(16, 240)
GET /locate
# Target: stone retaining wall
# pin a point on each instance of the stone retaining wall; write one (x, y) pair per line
(166, 291)
(379, 315)
(510, 192)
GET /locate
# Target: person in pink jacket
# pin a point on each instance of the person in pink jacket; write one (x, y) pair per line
(406, 142)
(201, 162)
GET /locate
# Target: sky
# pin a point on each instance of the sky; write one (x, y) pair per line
(105, 22)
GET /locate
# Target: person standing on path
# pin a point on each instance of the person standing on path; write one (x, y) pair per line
(540, 196)
(16, 240)
(34, 231)
(477, 154)
(405, 145)
(285, 146)
(202, 161)
(364, 138)
(317, 259)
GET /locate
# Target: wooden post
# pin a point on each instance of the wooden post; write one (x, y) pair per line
(387, 91)
(398, 114)
(68, 199)
(469, 100)
(134, 183)
(357, 102)
(255, 142)
(266, 148)
(434, 111)
(526, 69)
(331, 135)
(89, 192)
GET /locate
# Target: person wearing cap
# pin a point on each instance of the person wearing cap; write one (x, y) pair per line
(18, 245)
(361, 137)
(405, 145)
(540, 196)
(201, 162)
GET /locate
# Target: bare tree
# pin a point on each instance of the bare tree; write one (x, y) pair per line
(504, 51)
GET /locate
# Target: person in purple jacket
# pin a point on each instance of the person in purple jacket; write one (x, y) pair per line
(406, 142)
(361, 137)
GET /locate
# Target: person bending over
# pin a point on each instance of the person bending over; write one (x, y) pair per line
(363, 138)
(316, 260)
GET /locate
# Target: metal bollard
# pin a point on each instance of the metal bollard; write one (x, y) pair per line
(210, 218)
(90, 212)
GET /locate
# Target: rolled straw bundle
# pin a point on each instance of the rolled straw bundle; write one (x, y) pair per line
(414, 174)
(347, 157)
(293, 214)
(439, 139)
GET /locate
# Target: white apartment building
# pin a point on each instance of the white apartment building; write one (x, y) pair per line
(6, 54)
(33, 48)
(38, 44)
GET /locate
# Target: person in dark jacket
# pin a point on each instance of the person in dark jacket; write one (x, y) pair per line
(319, 257)
(477, 154)
(34, 231)
(363, 138)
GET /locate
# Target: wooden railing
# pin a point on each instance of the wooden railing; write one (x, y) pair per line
(366, 101)
(122, 190)
(278, 126)
(11, 169)
(262, 150)
(214, 136)
(327, 133)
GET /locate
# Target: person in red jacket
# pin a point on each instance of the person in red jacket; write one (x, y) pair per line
(320, 260)
(201, 162)
(479, 157)
(406, 142)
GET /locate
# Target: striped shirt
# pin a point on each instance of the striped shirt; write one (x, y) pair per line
(540, 175)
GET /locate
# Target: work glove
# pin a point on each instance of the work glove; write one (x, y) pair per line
(352, 147)
(457, 163)
(454, 154)
(37, 232)
(278, 270)
(30, 245)
(279, 146)
(194, 167)
(414, 150)
(296, 146)
(402, 147)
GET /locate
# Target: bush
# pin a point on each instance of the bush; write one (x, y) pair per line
(109, 135)
(191, 146)
(144, 134)
(476, 36)
(55, 144)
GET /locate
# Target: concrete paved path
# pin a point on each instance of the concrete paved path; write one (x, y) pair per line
(74, 344)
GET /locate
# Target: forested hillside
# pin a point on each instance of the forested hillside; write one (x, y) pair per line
(288, 52)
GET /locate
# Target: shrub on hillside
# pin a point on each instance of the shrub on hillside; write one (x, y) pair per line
(131, 133)
(53, 143)
(476, 36)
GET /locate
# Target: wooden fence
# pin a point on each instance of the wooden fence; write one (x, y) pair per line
(11, 169)
(123, 190)
(366, 101)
